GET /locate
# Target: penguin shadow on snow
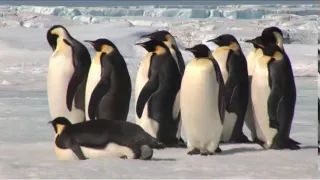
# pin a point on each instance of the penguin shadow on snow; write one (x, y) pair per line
(240, 150)
(163, 159)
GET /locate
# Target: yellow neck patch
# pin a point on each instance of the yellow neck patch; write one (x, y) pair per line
(278, 56)
(159, 50)
(60, 128)
(234, 47)
(263, 61)
(279, 39)
(170, 39)
(59, 32)
(107, 49)
(97, 58)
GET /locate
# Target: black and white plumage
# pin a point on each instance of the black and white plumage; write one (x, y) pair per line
(101, 139)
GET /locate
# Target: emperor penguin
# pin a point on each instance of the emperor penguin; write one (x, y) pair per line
(102, 139)
(108, 89)
(252, 57)
(274, 35)
(202, 102)
(233, 66)
(168, 39)
(273, 98)
(157, 85)
(67, 75)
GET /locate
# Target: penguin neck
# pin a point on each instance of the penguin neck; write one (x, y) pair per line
(280, 43)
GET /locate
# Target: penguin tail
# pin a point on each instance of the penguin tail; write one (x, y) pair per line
(294, 142)
(155, 144)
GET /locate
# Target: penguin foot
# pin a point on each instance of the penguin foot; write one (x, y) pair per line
(259, 142)
(218, 150)
(204, 154)
(211, 153)
(124, 157)
(194, 151)
(157, 145)
(284, 144)
(241, 138)
(177, 143)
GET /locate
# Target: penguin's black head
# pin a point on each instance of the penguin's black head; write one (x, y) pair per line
(257, 42)
(224, 40)
(59, 124)
(200, 51)
(152, 44)
(271, 49)
(272, 35)
(103, 45)
(54, 33)
(162, 36)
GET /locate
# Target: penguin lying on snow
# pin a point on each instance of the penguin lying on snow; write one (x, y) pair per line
(102, 138)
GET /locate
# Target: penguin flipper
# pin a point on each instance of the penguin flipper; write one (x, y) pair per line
(76, 149)
(73, 85)
(81, 62)
(222, 90)
(274, 101)
(99, 91)
(276, 94)
(149, 88)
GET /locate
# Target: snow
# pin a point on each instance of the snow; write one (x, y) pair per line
(26, 138)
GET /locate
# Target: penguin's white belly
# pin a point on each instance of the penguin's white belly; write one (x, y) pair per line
(249, 118)
(252, 58)
(230, 119)
(199, 107)
(251, 62)
(260, 92)
(112, 150)
(94, 77)
(148, 124)
(60, 71)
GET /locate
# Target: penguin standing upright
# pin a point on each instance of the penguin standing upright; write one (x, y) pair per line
(274, 35)
(108, 89)
(67, 75)
(273, 98)
(160, 81)
(202, 102)
(253, 56)
(165, 37)
(234, 70)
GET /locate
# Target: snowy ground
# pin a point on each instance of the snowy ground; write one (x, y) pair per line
(26, 140)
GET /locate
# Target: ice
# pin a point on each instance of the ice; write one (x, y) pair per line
(26, 138)
(231, 12)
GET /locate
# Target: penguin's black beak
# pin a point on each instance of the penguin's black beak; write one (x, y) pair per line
(50, 122)
(91, 42)
(190, 49)
(146, 36)
(140, 44)
(213, 40)
(250, 41)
